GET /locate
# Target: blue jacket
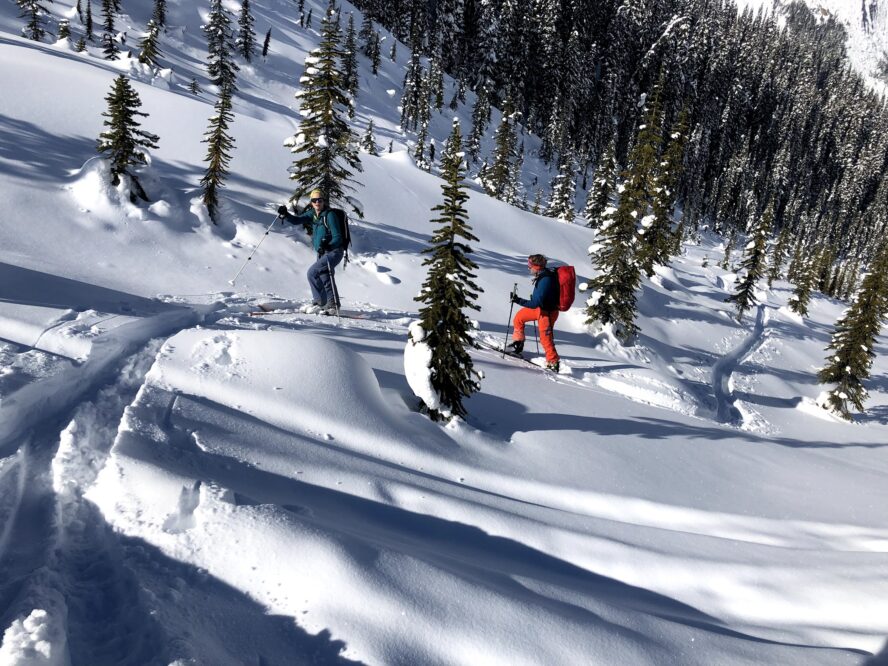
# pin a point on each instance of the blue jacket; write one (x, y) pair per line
(325, 229)
(546, 292)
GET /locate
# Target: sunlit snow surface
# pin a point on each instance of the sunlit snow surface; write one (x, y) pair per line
(182, 482)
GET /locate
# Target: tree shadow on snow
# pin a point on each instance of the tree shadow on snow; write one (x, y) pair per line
(516, 418)
(35, 155)
(25, 286)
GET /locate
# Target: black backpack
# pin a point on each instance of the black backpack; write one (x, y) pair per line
(342, 218)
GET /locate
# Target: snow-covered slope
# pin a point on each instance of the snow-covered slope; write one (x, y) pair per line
(181, 482)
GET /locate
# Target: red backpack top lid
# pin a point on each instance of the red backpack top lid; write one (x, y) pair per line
(567, 283)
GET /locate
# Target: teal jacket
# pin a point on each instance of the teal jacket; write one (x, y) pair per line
(325, 229)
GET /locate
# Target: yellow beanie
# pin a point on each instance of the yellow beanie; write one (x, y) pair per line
(316, 194)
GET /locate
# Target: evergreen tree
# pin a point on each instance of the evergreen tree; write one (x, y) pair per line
(449, 289)
(158, 15)
(603, 185)
(393, 53)
(80, 46)
(64, 29)
(89, 20)
(123, 143)
(412, 99)
(564, 186)
(778, 255)
(149, 50)
(368, 142)
(658, 239)
(35, 14)
(537, 202)
(350, 62)
(109, 45)
(221, 67)
(246, 34)
(643, 183)
(266, 43)
(804, 285)
(496, 180)
(755, 260)
(612, 299)
(853, 340)
(373, 52)
(219, 146)
(729, 249)
(194, 87)
(79, 8)
(326, 148)
(436, 83)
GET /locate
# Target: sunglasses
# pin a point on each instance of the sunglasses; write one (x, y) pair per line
(316, 200)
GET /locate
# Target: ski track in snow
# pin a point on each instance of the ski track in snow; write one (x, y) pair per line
(727, 410)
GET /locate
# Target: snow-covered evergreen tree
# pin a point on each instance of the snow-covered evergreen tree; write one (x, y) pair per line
(325, 147)
(805, 277)
(412, 99)
(778, 255)
(755, 261)
(350, 62)
(449, 289)
(35, 15)
(221, 67)
(613, 292)
(109, 44)
(64, 29)
(852, 342)
(729, 250)
(658, 239)
(603, 186)
(123, 143)
(246, 34)
(564, 187)
(149, 47)
(368, 141)
(219, 144)
(498, 176)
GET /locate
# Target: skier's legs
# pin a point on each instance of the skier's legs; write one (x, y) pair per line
(522, 317)
(547, 326)
(331, 261)
(314, 281)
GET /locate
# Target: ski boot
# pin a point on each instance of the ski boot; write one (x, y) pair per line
(515, 348)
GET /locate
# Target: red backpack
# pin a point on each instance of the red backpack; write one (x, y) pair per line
(567, 283)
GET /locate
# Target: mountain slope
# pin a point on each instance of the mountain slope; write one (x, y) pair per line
(181, 482)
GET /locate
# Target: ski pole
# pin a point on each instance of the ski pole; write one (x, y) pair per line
(335, 290)
(511, 305)
(267, 231)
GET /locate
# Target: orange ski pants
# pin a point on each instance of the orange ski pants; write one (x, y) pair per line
(546, 323)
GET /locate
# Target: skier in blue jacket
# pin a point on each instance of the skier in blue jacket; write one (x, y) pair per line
(542, 306)
(328, 241)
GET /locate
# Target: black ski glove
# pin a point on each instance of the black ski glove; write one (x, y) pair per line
(283, 212)
(514, 298)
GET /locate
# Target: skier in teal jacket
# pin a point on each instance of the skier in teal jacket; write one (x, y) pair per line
(328, 241)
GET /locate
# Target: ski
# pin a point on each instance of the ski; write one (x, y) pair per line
(486, 346)
(350, 314)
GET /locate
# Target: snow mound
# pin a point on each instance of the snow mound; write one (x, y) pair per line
(36, 640)
(296, 381)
